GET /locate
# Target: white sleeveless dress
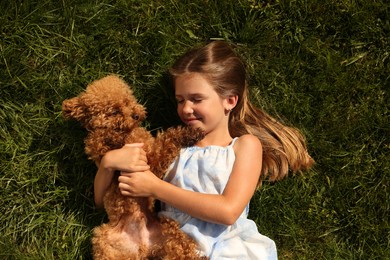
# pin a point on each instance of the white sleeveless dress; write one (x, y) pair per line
(207, 170)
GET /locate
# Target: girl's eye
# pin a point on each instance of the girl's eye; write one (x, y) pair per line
(194, 100)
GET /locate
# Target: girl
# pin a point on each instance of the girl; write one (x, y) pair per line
(208, 187)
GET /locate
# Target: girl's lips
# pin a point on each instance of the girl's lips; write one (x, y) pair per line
(190, 121)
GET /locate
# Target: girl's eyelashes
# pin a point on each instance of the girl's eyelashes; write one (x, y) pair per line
(193, 99)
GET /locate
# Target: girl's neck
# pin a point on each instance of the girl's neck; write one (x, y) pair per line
(215, 140)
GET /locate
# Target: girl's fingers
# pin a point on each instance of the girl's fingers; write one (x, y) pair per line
(125, 193)
(143, 158)
(124, 189)
(141, 153)
(125, 185)
(136, 184)
(123, 182)
(136, 168)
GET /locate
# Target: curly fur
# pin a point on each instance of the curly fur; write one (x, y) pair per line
(112, 116)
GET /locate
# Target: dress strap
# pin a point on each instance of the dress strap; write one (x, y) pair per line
(233, 141)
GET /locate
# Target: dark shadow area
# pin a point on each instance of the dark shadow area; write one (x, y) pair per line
(161, 105)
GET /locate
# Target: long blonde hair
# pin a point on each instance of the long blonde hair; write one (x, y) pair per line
(284, 147)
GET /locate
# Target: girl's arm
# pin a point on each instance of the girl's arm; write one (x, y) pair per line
(129, 158)
(103, 179)
(221, 209)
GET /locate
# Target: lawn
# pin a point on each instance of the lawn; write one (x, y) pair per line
(322, 66)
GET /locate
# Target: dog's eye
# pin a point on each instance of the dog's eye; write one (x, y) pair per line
(135, 116)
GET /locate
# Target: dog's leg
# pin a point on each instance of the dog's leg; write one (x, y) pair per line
(167, 146)
(178, 245)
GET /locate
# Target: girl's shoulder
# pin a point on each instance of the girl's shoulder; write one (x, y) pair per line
(247, 143)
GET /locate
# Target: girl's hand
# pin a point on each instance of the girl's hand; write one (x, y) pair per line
(129, 158)
(138, 184)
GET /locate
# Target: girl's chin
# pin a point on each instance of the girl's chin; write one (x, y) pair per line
(194, 123)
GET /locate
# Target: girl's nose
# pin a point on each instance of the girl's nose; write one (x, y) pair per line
(187, 107)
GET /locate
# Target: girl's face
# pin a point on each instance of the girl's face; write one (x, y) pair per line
(200, 106)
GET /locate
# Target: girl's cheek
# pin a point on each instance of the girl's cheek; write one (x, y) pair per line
(180, 108)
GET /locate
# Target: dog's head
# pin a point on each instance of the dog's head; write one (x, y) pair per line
(106, 103)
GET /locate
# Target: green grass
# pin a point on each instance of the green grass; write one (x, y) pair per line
(322, 66)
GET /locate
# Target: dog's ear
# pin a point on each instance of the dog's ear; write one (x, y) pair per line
(73, 109)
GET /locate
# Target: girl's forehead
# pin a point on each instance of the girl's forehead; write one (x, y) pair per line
(192, 83)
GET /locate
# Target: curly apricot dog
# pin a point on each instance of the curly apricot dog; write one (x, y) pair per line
(112, 116)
